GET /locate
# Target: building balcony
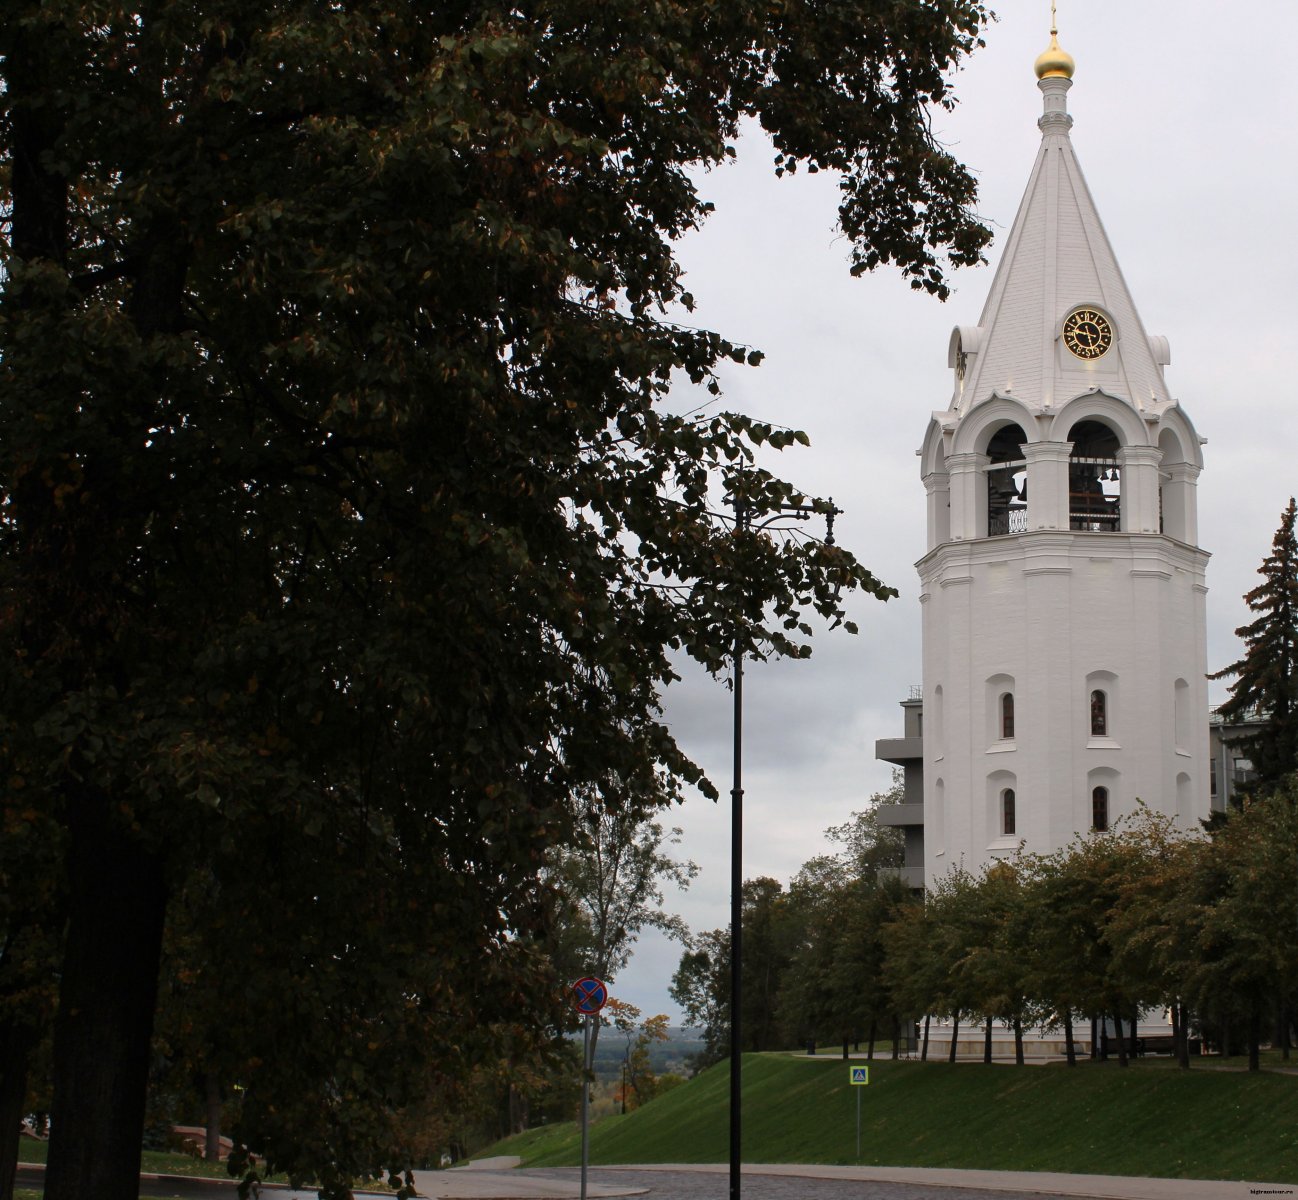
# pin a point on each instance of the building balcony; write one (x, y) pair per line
(899, 815)
(910, 876)
(1254, 716)
(899, 750)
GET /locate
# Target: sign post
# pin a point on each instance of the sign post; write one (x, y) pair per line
(589, 995)
(860, 1078)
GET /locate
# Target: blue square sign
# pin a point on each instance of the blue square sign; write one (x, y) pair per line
(860, 1075)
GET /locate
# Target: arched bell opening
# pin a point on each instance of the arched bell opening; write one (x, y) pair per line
(1094, 479)
(1007, 482)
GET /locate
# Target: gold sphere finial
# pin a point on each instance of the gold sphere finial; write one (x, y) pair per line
(1054, 62)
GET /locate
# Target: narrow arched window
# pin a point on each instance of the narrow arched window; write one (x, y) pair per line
(1100, 809)
(1007, 811)
(1007, 715)
(1099, 714)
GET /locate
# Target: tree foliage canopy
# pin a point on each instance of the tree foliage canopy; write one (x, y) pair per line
(346, 536)
(1266, 678)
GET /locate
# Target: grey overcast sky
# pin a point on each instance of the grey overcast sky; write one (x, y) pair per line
(1185, 129)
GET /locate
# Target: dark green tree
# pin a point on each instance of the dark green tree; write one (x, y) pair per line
(701, 983)
(31, 899)
(610, 885)
(345, 538)
(865, 1000)
(769, 933)
(1266, 678)
(817, 893)
(866, 846)
(1156, 924)
(915, 973)
(701, 986)
(997, 963)
(953, 931)
(1246, 923)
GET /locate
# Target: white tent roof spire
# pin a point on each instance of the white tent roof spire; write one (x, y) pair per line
(1056, 259)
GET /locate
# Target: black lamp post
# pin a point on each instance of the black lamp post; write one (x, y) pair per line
(744, 524)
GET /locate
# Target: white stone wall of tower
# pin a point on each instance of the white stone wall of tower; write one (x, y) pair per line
(1052, 614)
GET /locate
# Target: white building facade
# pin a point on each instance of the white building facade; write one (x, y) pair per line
(1062, 591)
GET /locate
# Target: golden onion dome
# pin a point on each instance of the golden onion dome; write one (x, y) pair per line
(1053, 61)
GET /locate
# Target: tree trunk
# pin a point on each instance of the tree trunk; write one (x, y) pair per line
(519, 1110)
(212, 1116)
(1254, 1037)
(896, 1037)
(1070, 1045)
(1096, 1033)
(955, 1035)
(1183, 1045)
(15, 1054)
(1118, 1037)
(1135, 1030)
(116, 905)
(987, 1041)
(869, 1053)
(1018, 1041)
(846, 1041)
(923, 1057)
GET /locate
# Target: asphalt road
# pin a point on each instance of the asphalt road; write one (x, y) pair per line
(657, 1185)
(696, 1185)
(713, 1184)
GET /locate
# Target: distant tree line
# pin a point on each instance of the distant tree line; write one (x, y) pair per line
(1144, 917)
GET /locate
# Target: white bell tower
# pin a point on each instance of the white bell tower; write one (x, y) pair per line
(1063, 588)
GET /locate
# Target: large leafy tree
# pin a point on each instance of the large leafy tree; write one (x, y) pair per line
(30, 904)
(345, 539)
(1244, 928)
(701, 983)
(837, 905)
(1155, 926)
(1266, 678)
(701, 986)
(866, 847)
(610, 881)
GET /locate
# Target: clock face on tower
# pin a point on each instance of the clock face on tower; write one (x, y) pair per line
(1087, 333)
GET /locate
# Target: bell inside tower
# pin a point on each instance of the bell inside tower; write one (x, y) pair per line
(1007, 482)
(1094, 479)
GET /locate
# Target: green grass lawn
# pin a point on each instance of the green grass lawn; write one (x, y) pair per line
(162, 1162)
(1094, 1119)
(152, 1162)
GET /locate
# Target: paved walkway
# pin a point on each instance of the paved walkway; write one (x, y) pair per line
(495, 1180)
(710, 1182)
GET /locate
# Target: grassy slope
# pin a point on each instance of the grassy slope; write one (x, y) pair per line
(1097, 1118)
(152, 1162)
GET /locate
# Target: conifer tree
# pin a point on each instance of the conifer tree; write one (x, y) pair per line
(1266, 678)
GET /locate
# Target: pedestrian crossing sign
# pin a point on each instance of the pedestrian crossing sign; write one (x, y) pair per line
(861, 1075)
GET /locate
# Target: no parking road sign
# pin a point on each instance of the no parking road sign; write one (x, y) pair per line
(589, 995)
(861, 1075)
